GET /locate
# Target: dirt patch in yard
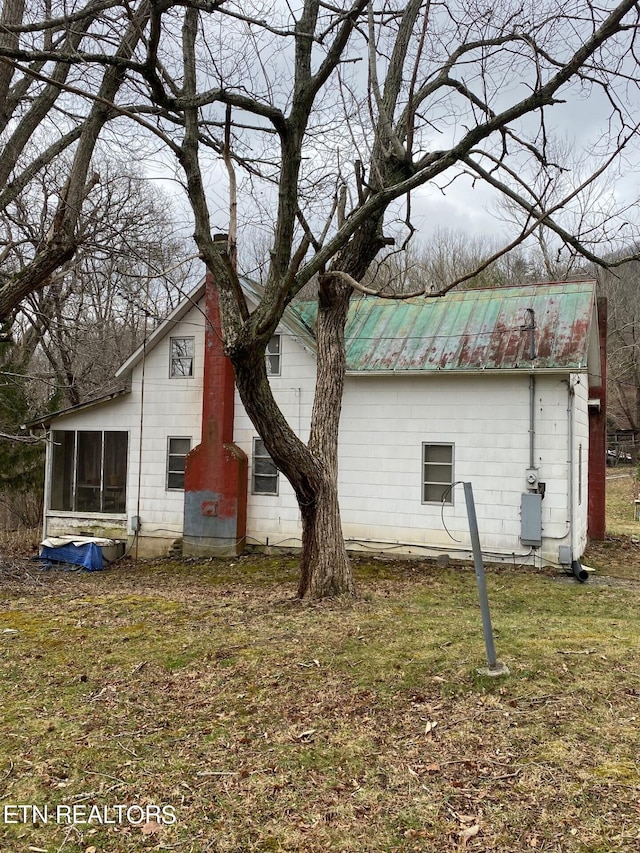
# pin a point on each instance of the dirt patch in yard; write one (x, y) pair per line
(616, 557)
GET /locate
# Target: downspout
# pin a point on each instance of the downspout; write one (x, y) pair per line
(570, 396)
(576, 567)
(532, 421)
(136, 523)
(47, 482)
(530, 326)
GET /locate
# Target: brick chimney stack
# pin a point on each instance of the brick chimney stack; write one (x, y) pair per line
(215, 498)
(598, 437)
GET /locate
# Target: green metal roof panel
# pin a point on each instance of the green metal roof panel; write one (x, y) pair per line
(470, 330)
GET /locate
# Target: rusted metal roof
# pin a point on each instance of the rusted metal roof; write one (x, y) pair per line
(471, 330)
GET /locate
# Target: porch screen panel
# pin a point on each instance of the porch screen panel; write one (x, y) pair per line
(63, 452)
(89, 472)
(114, 497)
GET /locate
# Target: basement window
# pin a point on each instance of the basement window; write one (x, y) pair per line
(265, 476)
(437, 473)
(273, 356)
(177, 451)
(89, 471)
(181, 357)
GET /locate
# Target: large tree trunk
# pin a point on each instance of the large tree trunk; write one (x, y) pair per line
(325, 566)
(325, 569)
(312, 469)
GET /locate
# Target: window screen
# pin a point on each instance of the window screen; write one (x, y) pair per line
(89, 471)
(176, 461)
(437, 473)
(181, 357)
(265, 473)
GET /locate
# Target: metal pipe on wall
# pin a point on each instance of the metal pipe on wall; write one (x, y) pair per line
(530, 326)
(532, 421)
(570, 497)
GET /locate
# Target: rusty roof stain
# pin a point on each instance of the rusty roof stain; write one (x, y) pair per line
(471, 330)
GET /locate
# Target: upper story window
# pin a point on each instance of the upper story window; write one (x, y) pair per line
(181, 357)
(273, 356)
(437, 473)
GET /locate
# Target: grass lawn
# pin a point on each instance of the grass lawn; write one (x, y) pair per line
(622, 489)
(260, 724)
(619, 555)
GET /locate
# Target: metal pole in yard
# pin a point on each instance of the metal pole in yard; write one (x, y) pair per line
(495, 667)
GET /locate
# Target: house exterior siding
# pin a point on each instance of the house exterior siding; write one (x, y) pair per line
(275, 519)
(580, 455)
(380, 462)
(168, 407)
(387, 419)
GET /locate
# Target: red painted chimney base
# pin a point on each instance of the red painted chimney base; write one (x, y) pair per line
(215, 482)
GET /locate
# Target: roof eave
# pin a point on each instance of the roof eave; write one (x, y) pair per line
(45, 420)
(478, 371)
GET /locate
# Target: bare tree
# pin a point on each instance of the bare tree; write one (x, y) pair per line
(447, 254)
(129, 271)
(44, 113)
(330, 116)
(463, 88)
(69, 337)
(595, 218)
(623, 344)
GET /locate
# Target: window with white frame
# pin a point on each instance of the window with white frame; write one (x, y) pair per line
(177, 450)
(89, 471)
(181, 357)
(273, 356)
(264, 479)
(437, 473)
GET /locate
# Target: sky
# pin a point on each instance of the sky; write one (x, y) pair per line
(470, 208)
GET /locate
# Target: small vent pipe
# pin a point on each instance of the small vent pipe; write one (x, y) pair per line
(530, 326)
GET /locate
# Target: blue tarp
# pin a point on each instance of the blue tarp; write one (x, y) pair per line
(88, 555)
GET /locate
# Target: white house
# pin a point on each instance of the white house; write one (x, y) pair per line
(503, 388)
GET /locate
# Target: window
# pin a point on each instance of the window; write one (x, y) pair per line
(89, 471)
(273, 356)
(178, 448)
(265, 473)
(181, 357)
(437, 473)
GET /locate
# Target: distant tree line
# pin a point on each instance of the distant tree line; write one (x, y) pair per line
(68, 337)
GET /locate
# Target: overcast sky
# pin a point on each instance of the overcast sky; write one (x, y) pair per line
(470, 208)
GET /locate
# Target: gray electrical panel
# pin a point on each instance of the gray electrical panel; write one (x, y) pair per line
(531, 519)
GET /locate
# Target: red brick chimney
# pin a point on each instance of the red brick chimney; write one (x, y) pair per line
(598, 437)
(215, 482)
